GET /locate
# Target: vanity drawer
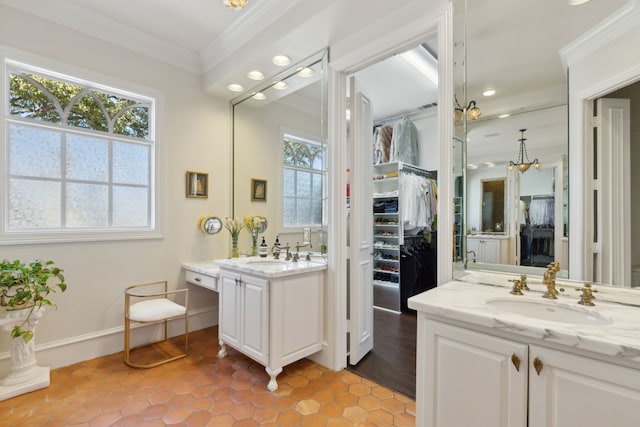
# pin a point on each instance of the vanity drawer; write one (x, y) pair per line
(202, 280)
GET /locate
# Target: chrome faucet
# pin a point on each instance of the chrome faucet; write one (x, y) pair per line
(549, 280)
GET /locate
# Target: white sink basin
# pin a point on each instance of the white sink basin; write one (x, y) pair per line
(267, 262)
(548, 311)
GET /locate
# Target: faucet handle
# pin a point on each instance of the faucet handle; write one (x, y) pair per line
(587, 294)
(523, 282)
(517, 287)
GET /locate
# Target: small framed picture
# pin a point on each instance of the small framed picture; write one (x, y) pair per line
(258, 190)
(197, 184)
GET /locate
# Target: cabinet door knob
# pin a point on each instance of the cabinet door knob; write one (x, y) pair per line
(537, 364)
(516, 361)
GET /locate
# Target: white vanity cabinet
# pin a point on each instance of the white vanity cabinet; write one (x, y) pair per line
(573, 390)
(465, 378)
(469, 378)
(273, 319)
(492, 250)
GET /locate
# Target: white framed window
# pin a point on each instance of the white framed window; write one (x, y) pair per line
(79, 159)
(302, 181)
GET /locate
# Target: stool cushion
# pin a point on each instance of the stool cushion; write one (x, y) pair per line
(155, 309)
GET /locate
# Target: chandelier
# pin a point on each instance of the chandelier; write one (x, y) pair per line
(523, 164)
(235, 4)
(470, 111)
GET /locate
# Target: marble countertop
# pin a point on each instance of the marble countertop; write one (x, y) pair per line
(208, 268)
(271, 268)
(467, 302)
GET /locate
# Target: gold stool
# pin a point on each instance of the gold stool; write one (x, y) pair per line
(144, 304)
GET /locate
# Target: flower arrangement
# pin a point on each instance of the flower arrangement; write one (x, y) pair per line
(256, 225)
(234, 225)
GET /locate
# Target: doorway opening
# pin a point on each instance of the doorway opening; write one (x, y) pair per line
(394, 154)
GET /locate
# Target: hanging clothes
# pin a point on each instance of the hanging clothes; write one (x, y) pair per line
(418, 206)
(418, 267)
(542, 212)
(382, 147)
(404, 142)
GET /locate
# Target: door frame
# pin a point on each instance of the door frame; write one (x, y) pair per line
(416, 23)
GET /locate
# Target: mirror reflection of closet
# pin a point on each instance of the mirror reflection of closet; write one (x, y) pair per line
(537, 217)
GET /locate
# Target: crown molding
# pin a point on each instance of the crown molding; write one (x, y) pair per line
(255, 20)
(618, 23)
(111, 31)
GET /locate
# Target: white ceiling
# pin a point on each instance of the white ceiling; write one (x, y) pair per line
(521, 38)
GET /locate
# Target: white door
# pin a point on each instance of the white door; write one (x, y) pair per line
(255, 317)
(229, 327)
(360, 227)
(611, 189)
(568, 390)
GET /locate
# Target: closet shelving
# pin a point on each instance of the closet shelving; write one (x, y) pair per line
(387, 230)
(388, 233)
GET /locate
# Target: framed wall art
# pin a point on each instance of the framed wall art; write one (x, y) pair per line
(197, 184)
(258, 190)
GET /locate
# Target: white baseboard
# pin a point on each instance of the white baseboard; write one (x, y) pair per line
(65, 352)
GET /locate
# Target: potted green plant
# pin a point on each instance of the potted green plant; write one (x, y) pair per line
(26, 286)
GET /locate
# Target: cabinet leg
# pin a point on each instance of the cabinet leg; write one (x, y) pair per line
(222, 353)
(273, 373)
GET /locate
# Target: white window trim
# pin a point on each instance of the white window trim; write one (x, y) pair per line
(156, 231)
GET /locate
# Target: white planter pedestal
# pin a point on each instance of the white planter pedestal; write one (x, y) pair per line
(25, 375)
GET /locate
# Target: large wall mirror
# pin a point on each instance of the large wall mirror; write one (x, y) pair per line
(509, 66)
(279, 155)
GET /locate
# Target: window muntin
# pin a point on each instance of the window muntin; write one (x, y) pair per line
(80, 156)
(302, 181)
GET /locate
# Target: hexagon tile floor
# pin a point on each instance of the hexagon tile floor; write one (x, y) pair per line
(201, 390)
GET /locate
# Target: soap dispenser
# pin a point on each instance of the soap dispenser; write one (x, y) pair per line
(263, 250)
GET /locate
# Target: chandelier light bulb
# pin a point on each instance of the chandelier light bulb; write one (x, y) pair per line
(235, 4)
(523, 163)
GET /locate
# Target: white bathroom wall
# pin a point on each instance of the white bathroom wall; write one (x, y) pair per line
(193, 134)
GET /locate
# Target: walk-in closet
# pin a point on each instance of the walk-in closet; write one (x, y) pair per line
(399, 153)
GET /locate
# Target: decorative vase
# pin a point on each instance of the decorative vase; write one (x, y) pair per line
(254, 244)
(234, 247)
(25, 375)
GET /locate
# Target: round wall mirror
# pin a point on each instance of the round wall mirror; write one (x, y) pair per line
(210, 224)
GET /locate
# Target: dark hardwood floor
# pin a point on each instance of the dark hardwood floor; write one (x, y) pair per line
(392, 362)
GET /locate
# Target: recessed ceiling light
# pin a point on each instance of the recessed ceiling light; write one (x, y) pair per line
(472, 166)
(577, 2)
(503, 116)
(489, 164)
(259, 96)
(305, 72)
(255, 75)
(280, 85)
(281, 60)
(235, 87)
(489, 92)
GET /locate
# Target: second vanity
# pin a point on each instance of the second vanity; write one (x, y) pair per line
(486, 357)
(270, 310)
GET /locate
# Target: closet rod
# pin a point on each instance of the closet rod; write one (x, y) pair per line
(418, 110)
(405, 167)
